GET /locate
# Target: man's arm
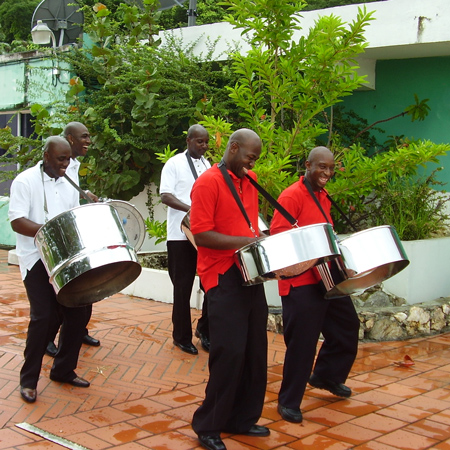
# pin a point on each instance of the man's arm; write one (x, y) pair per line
(173, 202)
(219, 241)
(25, 226)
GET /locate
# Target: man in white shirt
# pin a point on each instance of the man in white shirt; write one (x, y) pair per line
(79, 139)
(37, 195)
(177, 177)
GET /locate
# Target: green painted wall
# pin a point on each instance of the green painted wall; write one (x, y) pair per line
(396, 83)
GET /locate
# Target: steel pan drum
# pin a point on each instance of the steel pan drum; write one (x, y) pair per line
(132, 222)
(87, 254)
(287, 254)
(371, 256)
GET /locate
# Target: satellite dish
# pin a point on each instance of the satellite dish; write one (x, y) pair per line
(167, 4)
(62, 17)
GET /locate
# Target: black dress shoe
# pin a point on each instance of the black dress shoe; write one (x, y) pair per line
(77, 381)
(51, 349)
(257, 431)
(204, 340)
(338, 389)
(89, 340)
(28, 394)
(211, 442)
(189, 348)
(290, 414)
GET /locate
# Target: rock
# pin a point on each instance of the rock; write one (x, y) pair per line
(378, 299)
(386, 329)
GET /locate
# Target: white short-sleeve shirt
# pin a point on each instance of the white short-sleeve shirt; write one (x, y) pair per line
(27, 200)
(177, 179)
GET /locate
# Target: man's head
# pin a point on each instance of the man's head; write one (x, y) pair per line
(319, 167)
(78, 137)
(243, 150)
(197, 141)
(57, 154)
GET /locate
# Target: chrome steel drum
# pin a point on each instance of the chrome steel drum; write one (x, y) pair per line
(287, 254)
(87, 254)
(132, 222)
(369, 257)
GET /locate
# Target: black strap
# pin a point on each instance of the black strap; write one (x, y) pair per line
(342, 213)
(75, 185)
(308, 186)
(191, 165)
(230, 184)
(273, 202)
(310, 190)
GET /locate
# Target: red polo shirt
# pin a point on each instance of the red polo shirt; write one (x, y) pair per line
(215, 209)
(298, 202)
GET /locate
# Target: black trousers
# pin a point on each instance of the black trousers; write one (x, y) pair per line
(182, 259)
(237, 357)
(43, 309)
(306, 314)
(58, 319)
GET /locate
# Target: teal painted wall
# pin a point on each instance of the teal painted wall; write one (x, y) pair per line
(7, 235)
(396, 83)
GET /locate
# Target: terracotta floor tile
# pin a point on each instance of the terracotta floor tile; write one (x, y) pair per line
(430, 428)
(275, 440)
(353, 434)
(377, 398)
(442, 446)
(405, 413)
(169, 440)
(378, 422)
(441, 417)
(354, 407)
(318, 442)
(158, 423)
(405, 440)
(119, 433)
(426, 403)
(328, 417)
(297, 430)
(375, 445)
(104, 416)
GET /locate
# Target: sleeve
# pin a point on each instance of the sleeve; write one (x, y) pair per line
(19, 201)
(168, 178)
(293, 206)
(204, 199)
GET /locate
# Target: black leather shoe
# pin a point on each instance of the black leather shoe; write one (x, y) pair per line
(189, 348)
(77, 381)
(257, 431)
(211, 442)
(51, 349)
(28, 394)
(89, 340)
(338, 389)
(290, 414)
(204, 340)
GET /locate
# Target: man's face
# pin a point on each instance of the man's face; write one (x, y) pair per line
(79, 140)
(320, 170)
(197, 144)
(57, 159)
(244, 156)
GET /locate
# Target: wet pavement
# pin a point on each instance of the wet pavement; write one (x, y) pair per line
(144, 390)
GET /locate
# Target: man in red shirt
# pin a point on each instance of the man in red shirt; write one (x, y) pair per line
(306, 313)
(237, 314)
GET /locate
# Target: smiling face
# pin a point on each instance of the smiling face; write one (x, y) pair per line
(319, 167)
(57, 154)
(243, 153)
(197, 142)
(79, 139)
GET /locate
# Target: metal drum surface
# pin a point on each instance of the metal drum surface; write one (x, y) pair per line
(370, 256)
(287, 254)
(132, 222)
(87, 254)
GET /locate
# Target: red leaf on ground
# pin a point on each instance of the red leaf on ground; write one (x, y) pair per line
(407, 362)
